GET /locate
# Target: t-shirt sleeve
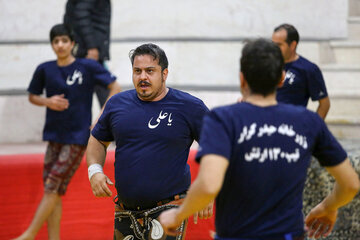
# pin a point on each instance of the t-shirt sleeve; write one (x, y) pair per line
(37, 83)
(196, 122)
(100, 74)
(327, 149)
(215, 138)
(102, 130)
(316, 83)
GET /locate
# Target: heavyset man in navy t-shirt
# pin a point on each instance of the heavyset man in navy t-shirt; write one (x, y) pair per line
(254, 156)
(69, 85)
(153, 127)
(303, 79)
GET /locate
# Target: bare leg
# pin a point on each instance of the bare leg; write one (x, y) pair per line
(53, 222)
(44, 210)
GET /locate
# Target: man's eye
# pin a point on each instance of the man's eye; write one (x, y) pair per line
(150, 70)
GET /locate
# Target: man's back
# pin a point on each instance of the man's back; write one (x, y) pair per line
(269, 150)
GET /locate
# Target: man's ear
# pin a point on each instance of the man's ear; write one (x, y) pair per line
(165, 73)
(243, 82)
(281, 83)
(293, 45)
(72, 45)
(244, 87)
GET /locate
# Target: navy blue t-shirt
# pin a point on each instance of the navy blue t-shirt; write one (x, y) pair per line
(269, 150)
(76, 81)
(303, 80)
(152, 144)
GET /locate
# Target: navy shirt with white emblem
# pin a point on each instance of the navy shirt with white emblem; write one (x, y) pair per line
(269, 150)
(303, 80)
(76, 81)
(153, 140)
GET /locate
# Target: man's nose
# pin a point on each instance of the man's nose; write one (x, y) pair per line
(60, 44)
(143, 75)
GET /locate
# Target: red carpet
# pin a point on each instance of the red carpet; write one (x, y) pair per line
(84, 216)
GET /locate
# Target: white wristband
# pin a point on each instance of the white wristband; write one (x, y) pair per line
(94, 168)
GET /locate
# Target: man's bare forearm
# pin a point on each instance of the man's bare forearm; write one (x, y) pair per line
(323, 108)
(346, 186)
(96, 151)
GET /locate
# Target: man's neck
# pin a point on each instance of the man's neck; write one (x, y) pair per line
(261, 101)
(157, 98)
(65, 61)
(293, 58)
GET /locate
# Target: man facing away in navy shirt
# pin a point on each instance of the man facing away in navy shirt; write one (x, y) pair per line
(254, 156)
(303, 79)
(153, 127)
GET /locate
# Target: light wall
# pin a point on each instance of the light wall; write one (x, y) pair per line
(202, 38)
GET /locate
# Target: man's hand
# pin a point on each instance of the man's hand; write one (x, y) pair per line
(206, 213)
(93, 53)
(57, 102)
(320, 221)
(99, 182)
(170, 221)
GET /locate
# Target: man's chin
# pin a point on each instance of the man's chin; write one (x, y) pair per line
(144, 95)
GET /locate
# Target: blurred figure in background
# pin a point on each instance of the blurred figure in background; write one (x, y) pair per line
(90, 20)
(69, 85)
(303, 78)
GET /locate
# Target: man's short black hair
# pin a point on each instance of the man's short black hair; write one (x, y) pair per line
(61, 30)
(292, 33)
(262, 64)
(153, 50)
